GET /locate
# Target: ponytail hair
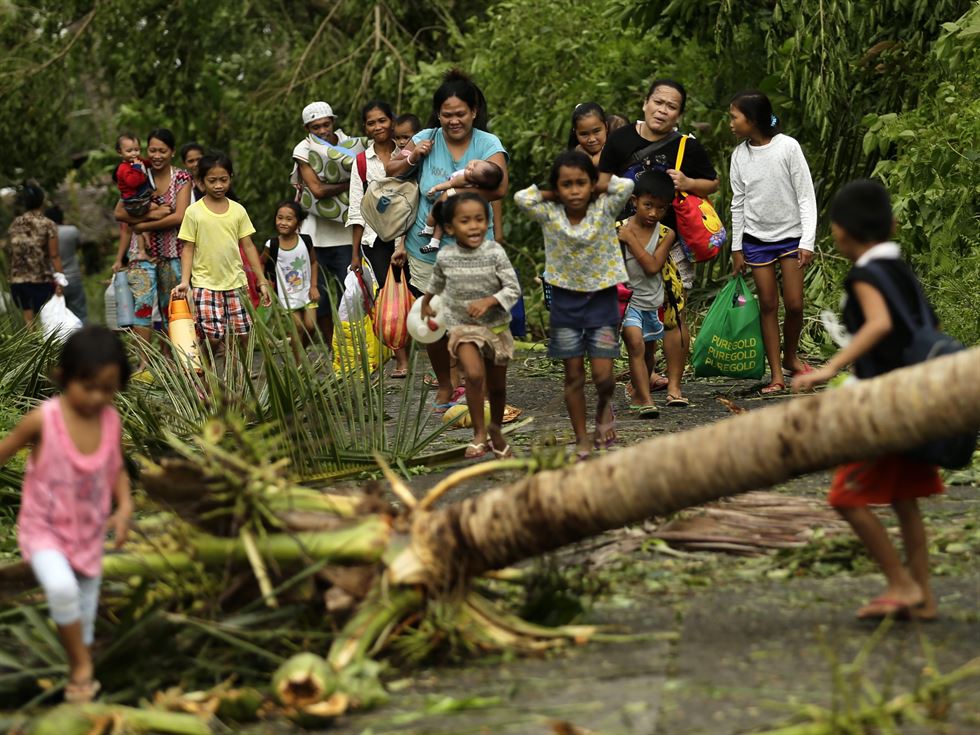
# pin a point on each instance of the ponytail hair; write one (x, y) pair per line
(457, 84)
(757, 108)
(584, 110)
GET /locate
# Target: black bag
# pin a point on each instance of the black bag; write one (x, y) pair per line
(928, 342)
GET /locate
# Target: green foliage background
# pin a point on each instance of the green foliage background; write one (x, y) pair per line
(885, 88)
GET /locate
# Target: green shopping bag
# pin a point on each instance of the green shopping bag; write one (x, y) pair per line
(730, 340)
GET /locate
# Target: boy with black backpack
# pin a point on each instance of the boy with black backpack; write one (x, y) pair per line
(891, 326)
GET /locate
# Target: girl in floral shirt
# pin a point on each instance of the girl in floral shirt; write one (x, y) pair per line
(583, 264)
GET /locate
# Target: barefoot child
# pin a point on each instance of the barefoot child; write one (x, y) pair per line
(212, 231)
(774, 219)
(478, 287)
(290, 265)
(74, 473)
(477, 174)
(862, 223)
(583, 264)
(647, 247)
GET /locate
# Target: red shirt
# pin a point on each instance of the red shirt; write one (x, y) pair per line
(130, 178)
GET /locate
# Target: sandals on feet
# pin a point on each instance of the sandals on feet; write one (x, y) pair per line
(475, 451)
(677, 401)
(399, 373)
(660, 383)
(645, 412)
(504, 453)
(773, 389)
(81, 692)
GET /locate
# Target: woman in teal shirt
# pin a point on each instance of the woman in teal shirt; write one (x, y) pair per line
(456, 135)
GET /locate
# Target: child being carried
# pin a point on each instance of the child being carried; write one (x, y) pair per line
(134, 179)
(477, 174)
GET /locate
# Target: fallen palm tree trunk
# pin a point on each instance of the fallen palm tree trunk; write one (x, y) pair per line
(753, 450)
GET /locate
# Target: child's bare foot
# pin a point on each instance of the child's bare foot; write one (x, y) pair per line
(605, 431)
(894, 601)
(82, 692)
(583, 448)
(927, 610)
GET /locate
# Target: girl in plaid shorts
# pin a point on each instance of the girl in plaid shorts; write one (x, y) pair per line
(213, 229)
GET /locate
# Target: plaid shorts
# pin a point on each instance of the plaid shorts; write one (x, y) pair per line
(218, 311)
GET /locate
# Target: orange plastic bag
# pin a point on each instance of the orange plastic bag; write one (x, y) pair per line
(391, 310)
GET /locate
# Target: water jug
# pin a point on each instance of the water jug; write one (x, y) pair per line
(111, 320)
(125, 307)
(183, 334)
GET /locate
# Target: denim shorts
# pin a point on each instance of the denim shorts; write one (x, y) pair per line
(568, 342)
(647, 322)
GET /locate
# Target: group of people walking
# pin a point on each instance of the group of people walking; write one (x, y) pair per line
(616, 263)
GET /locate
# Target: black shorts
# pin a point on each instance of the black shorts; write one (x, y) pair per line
(31, 296)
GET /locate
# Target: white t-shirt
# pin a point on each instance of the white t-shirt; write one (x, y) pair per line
(324, 232)
(294, 275)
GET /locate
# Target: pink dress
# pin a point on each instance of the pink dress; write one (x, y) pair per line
(67, 495)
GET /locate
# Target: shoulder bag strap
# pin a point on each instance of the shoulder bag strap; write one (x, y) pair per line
(652, 148)
(680, 153)
(362, 168)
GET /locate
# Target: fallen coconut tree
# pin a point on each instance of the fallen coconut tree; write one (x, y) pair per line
(401, 570)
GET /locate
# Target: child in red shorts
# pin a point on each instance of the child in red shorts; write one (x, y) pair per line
(862, 223)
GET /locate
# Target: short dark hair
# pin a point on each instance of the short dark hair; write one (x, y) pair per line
(757, 109)
(55, 214)
(188, 147)
(863, 209)
(654, 183)
(614, 121)
(584, 110)
(90, 349)
(411, 119)
(125, 136)
(165, 136)
(31, 196)
(293, 205)
(573, 159)
(214, 159)
(673, 84)
(491, 178)
(457, 84)
(445, 210)
(377, 105)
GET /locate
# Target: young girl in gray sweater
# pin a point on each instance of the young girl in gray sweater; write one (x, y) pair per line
(478, 286)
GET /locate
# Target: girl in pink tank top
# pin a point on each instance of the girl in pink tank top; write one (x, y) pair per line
(73, 474)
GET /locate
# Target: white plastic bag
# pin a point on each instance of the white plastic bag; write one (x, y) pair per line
(56, 318)
(351, 306)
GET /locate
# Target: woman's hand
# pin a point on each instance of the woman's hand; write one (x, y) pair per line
(117, 266)
(422, 149)
(400, 256)
(478, 308)
(805, 256)
(181, 289)
(681, 182)
(738, 262)
(356, 263)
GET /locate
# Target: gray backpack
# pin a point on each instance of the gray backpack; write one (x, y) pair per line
(389, 205)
